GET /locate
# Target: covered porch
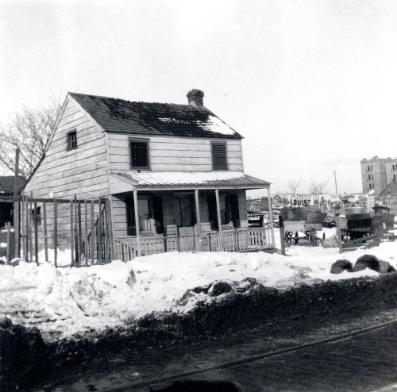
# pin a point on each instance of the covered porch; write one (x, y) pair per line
(155, 213)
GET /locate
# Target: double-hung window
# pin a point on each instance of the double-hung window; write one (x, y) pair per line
(139, 154)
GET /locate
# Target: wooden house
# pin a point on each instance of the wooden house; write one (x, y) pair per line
(173, 174)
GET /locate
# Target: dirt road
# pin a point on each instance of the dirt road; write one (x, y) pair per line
(326, 359)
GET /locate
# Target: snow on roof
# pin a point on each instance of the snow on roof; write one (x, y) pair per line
(193, 179)
(153, 118)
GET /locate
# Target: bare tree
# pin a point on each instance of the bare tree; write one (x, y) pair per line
(29, 130)
(294, 184)
(316, 188)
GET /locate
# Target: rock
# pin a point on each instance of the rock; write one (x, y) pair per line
(246, 284)
(372, 262)
(341, 265)
(219, 288)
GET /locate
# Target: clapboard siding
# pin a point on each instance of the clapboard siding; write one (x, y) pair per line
(82, 171)
(173, 153)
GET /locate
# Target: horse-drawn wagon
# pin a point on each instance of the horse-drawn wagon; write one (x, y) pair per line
(301, 223)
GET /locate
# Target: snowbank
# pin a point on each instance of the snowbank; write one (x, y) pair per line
(73, 301)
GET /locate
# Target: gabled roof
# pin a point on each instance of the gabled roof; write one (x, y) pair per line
(7, 184)
(189, 180)
(118, 115)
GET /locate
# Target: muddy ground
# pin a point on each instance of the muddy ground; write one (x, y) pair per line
(27, 361)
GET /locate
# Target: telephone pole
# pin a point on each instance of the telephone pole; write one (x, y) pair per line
(336, 184)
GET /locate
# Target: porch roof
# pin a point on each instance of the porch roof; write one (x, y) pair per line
(126, 181)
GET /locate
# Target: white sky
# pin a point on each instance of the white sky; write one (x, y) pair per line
(311, 84)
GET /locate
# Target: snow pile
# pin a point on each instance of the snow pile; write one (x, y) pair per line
(68, 301)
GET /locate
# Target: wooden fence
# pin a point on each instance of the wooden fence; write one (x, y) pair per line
(83, 227)
(235, 240)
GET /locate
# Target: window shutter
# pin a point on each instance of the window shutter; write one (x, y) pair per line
(219, 160)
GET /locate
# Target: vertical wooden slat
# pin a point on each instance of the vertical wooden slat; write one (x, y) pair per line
(218, 215)
(136, 216)
(85, 232)
(80, 236)
(26, 228)
(55, 239)
(270, 215)
(36, 233)
(22, 225)
(198, 220)
(76, 231)
(45, 230)
(110, 228)
(99, 230)
(71, 235)
(92, 238)
(30, 229)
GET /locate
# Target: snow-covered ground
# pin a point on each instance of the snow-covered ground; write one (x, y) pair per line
(67, 301)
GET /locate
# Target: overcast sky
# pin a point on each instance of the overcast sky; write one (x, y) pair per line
(311, 84)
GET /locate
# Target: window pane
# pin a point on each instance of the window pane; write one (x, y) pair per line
(139, 154)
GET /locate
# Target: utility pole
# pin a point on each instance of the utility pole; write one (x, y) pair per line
(16, 205)
(336, 184)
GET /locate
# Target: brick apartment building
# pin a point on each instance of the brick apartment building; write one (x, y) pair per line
(377, 173)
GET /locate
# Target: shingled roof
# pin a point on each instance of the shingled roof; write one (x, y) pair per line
(118, 115)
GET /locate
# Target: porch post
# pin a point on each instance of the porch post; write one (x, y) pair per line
(138, 236)
(198, 221)
(270, 213)
(218, 215)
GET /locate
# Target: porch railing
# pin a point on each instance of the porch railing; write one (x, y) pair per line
(236, 240)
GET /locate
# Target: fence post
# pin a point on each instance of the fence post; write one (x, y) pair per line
(71, 235)
(79, 234)
(55, 239)
(92, 238)
(30, 228)
(36, 234)
(282, 239)
(45, 231)
(26, 203)
(85, 232)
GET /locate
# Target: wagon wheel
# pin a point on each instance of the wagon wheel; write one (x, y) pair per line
(313, 237)
(288, 238)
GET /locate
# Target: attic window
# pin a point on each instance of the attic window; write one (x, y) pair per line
(71, 140)
(139, 154)
(219, 159)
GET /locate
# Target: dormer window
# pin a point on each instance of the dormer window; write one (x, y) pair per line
(219, 158)
(71, 140)
(139, 153)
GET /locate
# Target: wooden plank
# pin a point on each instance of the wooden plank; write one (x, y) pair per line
(26, 228)
(85, 232)
(30, 229)
(198, 220)
(136, 217)
(92, 237)
(80, 237)
(71, 235)
(36, 233)
(22, 225)
(218, 216)
(45, 231)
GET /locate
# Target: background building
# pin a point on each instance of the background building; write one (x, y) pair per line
(377, 173)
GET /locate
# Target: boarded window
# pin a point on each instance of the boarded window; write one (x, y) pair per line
(219, 160)
(139, 154)
(71, 140)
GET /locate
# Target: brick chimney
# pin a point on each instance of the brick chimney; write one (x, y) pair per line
(195, 97)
